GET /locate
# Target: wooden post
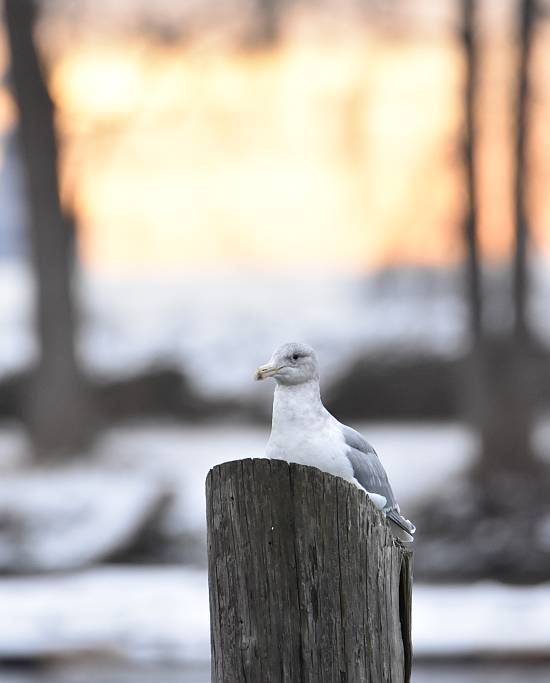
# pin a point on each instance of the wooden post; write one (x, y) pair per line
(307, 583)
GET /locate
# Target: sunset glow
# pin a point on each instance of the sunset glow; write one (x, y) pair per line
(341, 154)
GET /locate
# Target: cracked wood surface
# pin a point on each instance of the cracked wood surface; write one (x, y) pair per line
(307, 583)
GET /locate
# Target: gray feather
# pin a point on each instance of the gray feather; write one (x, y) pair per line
(370, 473)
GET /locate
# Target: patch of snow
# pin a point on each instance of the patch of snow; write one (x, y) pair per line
(132, 320)
(161, 614)
(419, 458)
(178, 459)
(17, 343)
(65, 518)
(15, 447)
(203, 322)
(481, 618)
(73, 515)
(141, 614)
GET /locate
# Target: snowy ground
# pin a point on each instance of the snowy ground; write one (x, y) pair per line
(157, 615)
(67, 517)
(204, 322)
(84, 673)
(418, 457)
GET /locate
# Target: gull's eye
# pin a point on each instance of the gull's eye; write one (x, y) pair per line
(295, 356)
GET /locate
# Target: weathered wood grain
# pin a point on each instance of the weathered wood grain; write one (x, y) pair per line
(307, 583)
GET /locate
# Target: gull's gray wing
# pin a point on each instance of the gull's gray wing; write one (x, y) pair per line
(370, 473)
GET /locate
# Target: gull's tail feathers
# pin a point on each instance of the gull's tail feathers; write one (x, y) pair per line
(401, 527)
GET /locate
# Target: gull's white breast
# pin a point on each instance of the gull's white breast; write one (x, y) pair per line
(308, 436)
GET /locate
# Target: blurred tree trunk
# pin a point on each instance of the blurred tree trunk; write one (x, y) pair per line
(493, 522)
(473, 277)
(266, 29)
(507, 363)
(523, 98)
(499, 391)
(57, 407)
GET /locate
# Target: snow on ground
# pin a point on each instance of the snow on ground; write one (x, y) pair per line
(219, 326)
(83, 672)
(66, 519)
(179, 458)
(161, 614)
(69, 516)
(141, 614)
(234, 320)
(15, 447)
(17, 343)
(481, 619)
(419, 458)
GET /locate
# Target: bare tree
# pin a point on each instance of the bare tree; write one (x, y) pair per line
(490, 527)
(508, 418)
(527, 17)
(266, 27)
(57, 406)
(499, 391)
(473, 277)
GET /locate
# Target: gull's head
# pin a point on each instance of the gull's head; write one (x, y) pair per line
(291, 364)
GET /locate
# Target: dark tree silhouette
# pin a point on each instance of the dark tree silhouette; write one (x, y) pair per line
(508, 363)
(266, 23)
(56, 406)
(528, 10)
(473, 277)
(489, 526)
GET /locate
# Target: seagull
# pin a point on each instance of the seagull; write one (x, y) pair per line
(303, 431)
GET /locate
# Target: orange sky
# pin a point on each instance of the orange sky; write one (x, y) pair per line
(337, 154)
(324, 155)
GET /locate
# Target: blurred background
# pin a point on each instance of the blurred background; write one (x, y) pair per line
(184, 185)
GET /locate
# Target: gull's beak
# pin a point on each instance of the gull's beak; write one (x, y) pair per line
(267, 370)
